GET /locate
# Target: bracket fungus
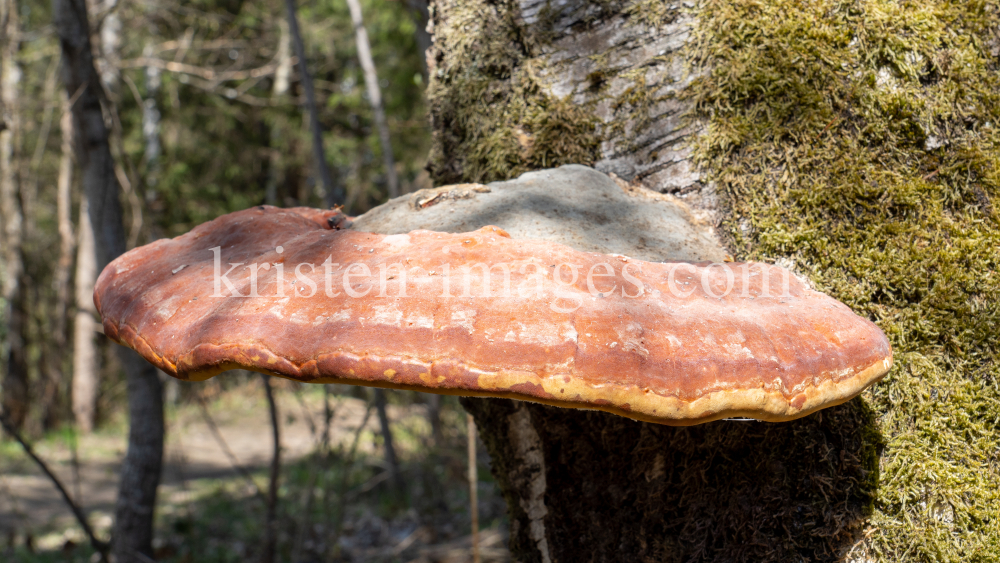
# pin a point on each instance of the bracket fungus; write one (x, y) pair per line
(285, 292)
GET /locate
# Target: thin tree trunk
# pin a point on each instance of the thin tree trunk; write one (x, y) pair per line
(271, 517)
(140, 471)
(374, 96)
(151, 131)
(473, 486)
(422, 14)
(390, 449)
(67, 242)
(281, 82)
(334, 191)
(15, 389)
(56, 356)
(110, 37)
(86, 360)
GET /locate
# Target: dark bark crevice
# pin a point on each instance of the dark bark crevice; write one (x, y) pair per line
(621, 490)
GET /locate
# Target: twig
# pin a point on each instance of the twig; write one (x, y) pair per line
(219, 439)
(473, 487)
(390, 449)
(201, 72)
(271, 519)
(98, 545)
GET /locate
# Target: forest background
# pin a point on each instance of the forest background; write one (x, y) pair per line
(207, 114)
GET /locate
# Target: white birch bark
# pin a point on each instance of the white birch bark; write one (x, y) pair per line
(282, 79)
(15, 377)
(374, 96)
(67, 242)
(86, 381)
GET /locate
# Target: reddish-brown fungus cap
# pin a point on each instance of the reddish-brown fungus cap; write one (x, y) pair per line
(674, 343)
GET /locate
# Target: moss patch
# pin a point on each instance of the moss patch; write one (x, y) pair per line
(860, 139)
(492, 119)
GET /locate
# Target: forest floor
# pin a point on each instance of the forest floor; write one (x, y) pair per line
(336, 504)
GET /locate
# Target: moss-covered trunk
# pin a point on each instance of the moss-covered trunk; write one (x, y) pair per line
(854, 141)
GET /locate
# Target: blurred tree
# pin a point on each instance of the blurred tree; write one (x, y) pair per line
(15, 398)
(334, 193)
(86, 360)
(221, 130)
(374, 95)
(140, 471)
(67, 241)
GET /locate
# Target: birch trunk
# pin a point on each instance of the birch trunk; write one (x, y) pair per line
(140, 472)
(67, 242)
(374, 96)
(151, 131)
(15, 388)
(535, 84)
(86, 360)
(281, 81)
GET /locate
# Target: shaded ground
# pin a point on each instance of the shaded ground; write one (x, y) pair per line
(335, 505)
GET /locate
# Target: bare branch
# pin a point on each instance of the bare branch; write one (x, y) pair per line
(201, 72)
(98, 545)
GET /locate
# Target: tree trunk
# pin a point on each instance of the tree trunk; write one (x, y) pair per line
(151, 133)
(271, 516)
(422, 15)
(86, 360)
(67, 242)
(15, 398)
(140, 472)
(334, 191)
(374, 96)
(281, 82)
(517, 86)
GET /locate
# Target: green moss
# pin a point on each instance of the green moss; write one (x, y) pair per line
(654, 13)
(492, 118)
(860, 139)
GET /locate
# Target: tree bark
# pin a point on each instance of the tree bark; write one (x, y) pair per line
(67, 241)
(374, 96)
(140, 472)
(271, 516)
(15, 400)
(536, 84)
(86, 360)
